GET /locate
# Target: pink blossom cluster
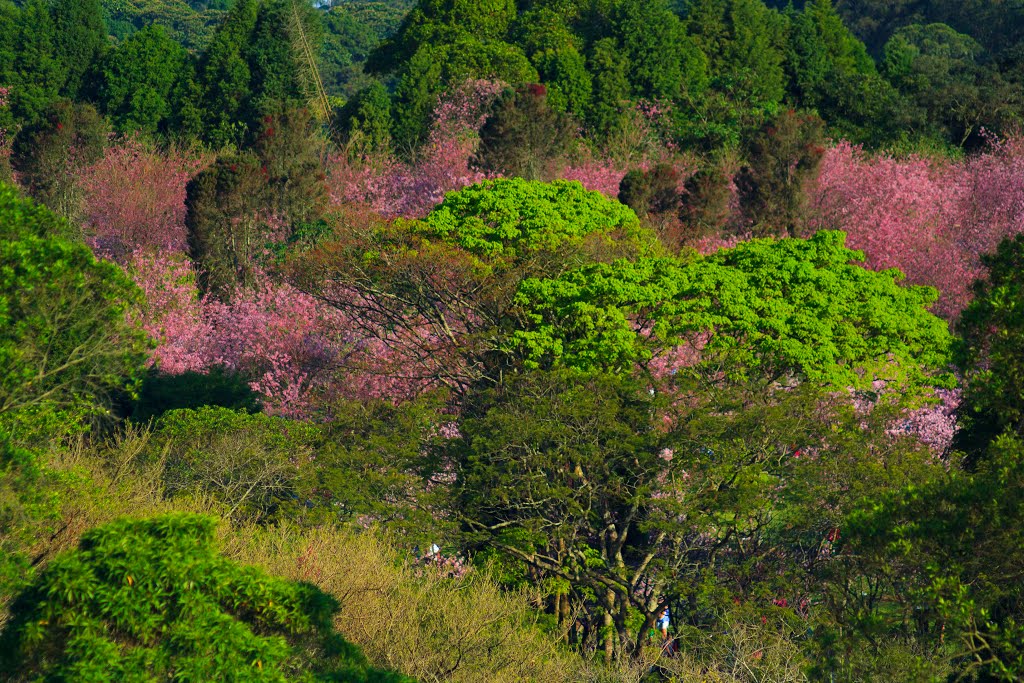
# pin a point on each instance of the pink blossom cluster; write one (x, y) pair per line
(932, 219)
(134, 198)
(443, 164)
(283, 340)
(935, 425)
(598, 175)
(298, 352)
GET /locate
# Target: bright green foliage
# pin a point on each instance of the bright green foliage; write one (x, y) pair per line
(958, 549)
(990, 351)
(774, 308)
(80, 39)
(65, 339)
(21, 217)
(447, 282)
(148, 600)
(139, 78)
(511, 218)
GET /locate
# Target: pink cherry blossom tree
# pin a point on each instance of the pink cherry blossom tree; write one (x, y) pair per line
(932, 219)
(134, 198)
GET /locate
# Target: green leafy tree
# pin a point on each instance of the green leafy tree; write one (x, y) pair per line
(249, 462)
(21, 217)
(665, 62)
(149, 599)
(704, 205)
(32, 65)
(366, 120)
(139, 78)
(453, 59)
(80, 39)
(441, 289)
(757, 310)
(783, 159)
(225, 75)
(65, 340)
(625, 500)
(440, 44)
(940, 70)
(49, 154)
(744, 43)
(383, 462)
(610, 69)
(523, 134)
(936, 565)
(990, 350)
(279, 77)
(823, 49)
(487, 20)
(832, 73)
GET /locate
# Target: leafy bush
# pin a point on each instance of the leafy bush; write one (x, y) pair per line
(141, 600)
(65, 337)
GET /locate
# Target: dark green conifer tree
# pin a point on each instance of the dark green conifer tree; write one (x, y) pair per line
(80, 39)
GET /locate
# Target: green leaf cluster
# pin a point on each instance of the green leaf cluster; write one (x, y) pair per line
(779, 308)
(141, 600)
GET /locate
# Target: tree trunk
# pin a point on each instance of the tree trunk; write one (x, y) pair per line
(609, 629)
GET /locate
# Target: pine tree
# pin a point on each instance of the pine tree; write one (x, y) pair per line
(80, 39)
(225, 76)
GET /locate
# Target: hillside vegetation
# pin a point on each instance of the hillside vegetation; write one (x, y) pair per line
(483, 340)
